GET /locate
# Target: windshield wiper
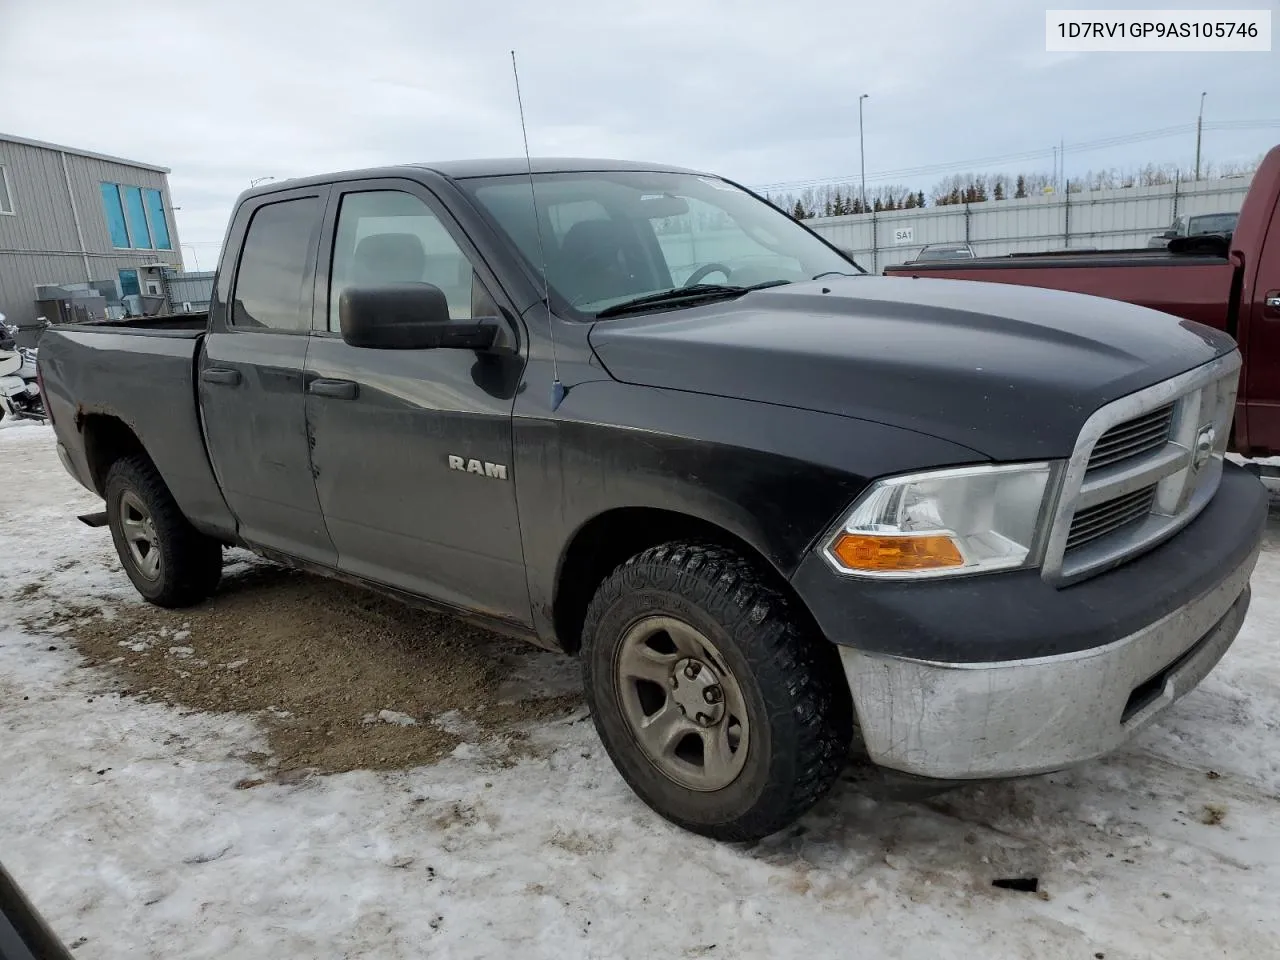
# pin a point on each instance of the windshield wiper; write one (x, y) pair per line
(698, 293)
(833, 273)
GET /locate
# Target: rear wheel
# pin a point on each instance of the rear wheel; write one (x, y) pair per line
(169, 562)
(718, 704)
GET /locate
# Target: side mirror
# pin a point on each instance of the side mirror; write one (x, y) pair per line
(408, 316)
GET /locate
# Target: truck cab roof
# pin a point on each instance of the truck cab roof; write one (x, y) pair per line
(469, 169)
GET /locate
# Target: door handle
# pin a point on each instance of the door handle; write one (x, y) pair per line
(338, 389)
(1272, 300)
(221, 375)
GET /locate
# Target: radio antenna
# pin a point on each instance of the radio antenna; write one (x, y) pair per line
(557, 388)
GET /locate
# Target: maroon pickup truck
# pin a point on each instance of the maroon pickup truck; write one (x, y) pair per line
(1230, 283)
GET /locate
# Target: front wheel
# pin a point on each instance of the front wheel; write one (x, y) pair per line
(170, 562)
(721, 708)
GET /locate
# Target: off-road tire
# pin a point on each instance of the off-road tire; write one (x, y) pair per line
(191, 563)
(794, 689)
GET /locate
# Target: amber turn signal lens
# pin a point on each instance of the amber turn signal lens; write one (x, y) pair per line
(879, 553)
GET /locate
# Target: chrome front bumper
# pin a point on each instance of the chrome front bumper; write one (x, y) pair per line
(960, 721)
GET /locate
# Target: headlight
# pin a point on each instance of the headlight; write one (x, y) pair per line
(965, 520)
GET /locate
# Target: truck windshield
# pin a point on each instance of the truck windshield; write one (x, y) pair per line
(946, 251)
(614, 236)
(1213, 223)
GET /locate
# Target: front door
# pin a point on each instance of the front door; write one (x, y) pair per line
(251, 378)
(1261, 342)
(412, 449)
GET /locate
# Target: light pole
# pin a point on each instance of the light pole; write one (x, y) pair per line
(862, 152)
(257, 180)
(188, 246)
(1199, 125)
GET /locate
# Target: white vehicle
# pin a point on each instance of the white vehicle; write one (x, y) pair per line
(19, 388)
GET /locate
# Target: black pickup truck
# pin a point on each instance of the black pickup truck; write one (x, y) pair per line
(637, 414)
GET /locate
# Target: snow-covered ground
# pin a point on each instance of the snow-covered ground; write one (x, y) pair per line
(123, 821)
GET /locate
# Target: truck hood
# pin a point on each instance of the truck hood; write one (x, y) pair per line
(1010, 372)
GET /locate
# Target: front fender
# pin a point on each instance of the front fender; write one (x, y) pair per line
(773, 476)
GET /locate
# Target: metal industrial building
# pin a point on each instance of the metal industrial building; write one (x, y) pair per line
(76, 223)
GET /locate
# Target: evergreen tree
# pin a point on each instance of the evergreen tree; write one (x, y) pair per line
(843, 199)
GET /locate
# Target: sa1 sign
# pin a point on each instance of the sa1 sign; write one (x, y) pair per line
(904, 234)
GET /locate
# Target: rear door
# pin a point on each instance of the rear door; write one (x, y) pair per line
(413, 448)
(251, 375)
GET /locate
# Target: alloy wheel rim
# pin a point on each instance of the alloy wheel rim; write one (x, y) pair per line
(682, 704)
(140, 536)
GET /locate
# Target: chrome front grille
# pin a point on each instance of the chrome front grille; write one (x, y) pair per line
(1109, 516)
(1143, 467)
(1132, 438)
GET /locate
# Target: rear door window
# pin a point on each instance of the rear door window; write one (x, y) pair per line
(272, 290)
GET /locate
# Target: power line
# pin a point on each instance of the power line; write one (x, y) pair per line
(1241, 124)
(1082, 146)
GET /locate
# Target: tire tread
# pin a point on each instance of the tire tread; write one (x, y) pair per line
(816, 708)
(192, 560)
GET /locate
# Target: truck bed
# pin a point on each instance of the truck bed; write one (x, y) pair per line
(180, 325)
(1196, 286)
(143, 376)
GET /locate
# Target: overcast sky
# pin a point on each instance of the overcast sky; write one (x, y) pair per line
(223, 91)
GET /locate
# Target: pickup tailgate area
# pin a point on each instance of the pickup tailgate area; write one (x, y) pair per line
(108, 389)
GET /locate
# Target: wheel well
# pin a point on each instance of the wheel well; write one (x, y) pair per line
(106, 440)
(607, 541)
